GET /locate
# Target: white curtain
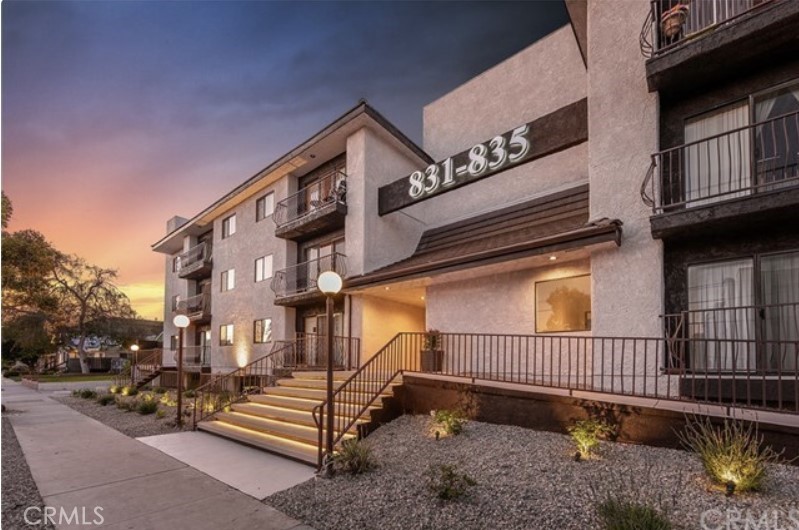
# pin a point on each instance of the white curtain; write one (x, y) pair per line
(720, 296)
(780, 287)
(717, 168)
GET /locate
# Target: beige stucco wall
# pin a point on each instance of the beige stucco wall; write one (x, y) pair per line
(377, 320)
(623, 120)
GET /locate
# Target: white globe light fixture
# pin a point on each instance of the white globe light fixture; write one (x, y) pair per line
(181, 321)
(134, 348)
(329, 283)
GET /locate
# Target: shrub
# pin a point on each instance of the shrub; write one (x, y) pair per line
(168, 400)
(450, 421)
(105, 399)
(732, 453)
(160, 413)
(619, 514)
(129, 391)
(126, 404)
(159, 390)
(189, 393)
(355, 457)
(447, 483)
(85, 393)
(11, 373)
(147, 407)
(114, 389)
(587, 433)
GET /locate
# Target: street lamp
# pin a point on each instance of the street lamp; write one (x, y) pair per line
(181, 322)
(135, 349)
(330, 284)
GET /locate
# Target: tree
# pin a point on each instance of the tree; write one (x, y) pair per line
(8, 209)
(28, 264)
(26, 337)
(86, 296)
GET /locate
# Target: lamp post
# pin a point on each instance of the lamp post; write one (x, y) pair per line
(330, 284)
(181, 322)
(135, 349)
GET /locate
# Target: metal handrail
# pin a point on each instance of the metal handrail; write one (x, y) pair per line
(145, 361)
(755, 158)
(195, 305)
(648, 367)
(701, 16)
(226, 389)
(301, 278)
(330, 189)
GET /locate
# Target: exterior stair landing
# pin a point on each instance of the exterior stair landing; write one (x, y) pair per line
(280, 420)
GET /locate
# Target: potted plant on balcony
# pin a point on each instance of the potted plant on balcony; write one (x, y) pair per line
(432, 354)
(672, 20)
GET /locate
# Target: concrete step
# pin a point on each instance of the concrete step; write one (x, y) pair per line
(301, 433)
(321, 374)
(303, 452)
(362, 386)
(301, 417)
(297, 403)
(317, 394)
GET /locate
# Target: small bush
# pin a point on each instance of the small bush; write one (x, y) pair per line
(147, 407)
(619, 514)
(105, 399)
(160, 413)
(159, 390)
(126, 404)
(587, 433)
(447, 483)
(86, 393)
(168, 400)
(11, 373)
(730, 453)
(450, 421)
(114, 389)
(129, 391)
(189, 393)
(355, 457)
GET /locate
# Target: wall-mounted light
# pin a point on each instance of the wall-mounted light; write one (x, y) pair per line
(552, 258)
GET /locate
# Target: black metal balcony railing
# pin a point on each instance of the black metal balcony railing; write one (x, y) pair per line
(671, 22)
(301, 278)
(194, 356)
(195, 259)
(753, 159)
(196, 307)
(743, 339)
(324, 193)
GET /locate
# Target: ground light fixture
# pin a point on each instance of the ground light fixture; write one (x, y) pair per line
(330, 284)
(181, 322)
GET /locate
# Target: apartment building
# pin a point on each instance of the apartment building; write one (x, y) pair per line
(611, 211)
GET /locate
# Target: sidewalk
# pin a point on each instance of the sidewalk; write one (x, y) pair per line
(79, 462)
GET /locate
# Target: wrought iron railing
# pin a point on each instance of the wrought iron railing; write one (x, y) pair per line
(757, 158)
(196, 307)
(313, 198)
(755, 339)
(302, 277)
(195, 258)
(631, 366)
(143, 363)
(671, 22)
(194, 356)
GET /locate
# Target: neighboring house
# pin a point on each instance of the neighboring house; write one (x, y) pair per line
(518, 229)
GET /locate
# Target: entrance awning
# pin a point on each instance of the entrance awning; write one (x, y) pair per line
(542, 225)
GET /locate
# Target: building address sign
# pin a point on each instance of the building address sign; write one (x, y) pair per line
(556, 131)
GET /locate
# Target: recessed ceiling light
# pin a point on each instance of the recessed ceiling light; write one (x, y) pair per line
(387, 288)
(552, 258)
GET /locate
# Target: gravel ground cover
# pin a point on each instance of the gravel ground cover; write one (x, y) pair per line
(132, 424)
(18, 488)
(525, 480)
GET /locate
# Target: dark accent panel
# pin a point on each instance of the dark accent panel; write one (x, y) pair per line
(754, 239)
(675, 111)
(640, 425)
(762, 210)
(766, 35)
(559, 130)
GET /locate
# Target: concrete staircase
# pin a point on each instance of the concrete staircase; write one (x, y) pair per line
(280, 420)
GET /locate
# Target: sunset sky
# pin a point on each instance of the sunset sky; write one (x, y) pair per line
(118, 115)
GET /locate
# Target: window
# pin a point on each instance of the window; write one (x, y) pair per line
(739, 303)
(264, 207)
(228, 280)
(175, 302)
(173, 342)
(176, 264)
(262, 331)
(228, 226)
(226, 334)
(263, 268)
(563, 305)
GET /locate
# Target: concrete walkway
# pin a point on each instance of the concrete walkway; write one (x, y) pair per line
(79, 462)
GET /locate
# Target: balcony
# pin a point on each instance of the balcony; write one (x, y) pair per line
(195, 358)
(296, 285)
(693, 42)
(746, 176)
(197, 308)
(195, 263)
(318, 207)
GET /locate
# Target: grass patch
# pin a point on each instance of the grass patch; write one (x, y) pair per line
(147, 407)
(447, 483)
(77, 378)
(620, 514)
